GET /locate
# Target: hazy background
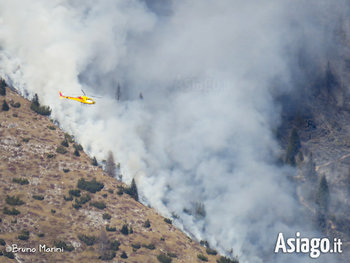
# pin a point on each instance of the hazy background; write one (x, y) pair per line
(200, 143)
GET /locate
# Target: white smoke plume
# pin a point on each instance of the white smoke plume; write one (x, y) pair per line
(200, 143)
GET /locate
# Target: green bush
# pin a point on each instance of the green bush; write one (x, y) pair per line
(12, 211)
(107, 255)
(61, 150)
(15, 105)
(104, 195)
(106, 216)
(76, 153)
(211, 251)
(42, 110)
(91, 186)
(5, 106)
(69, 198)
(83, 199)
(41, 235)
(132, 190)
(25, 139)
(53, 211)
(21, 181)
(124, 230)
(2, 242)
(65, 143)
(64, 245)
(147, 224)
(10, 255)
(24, 235)
(78, 147)
(88, 240)
(51, 127)
(227, 260)
(13, 200)
(164, 258)
(202, 257)
(172, 255)
(99, 205)
(136, 245)
(150, 246)
(110, 229)
(66, 170)
(2, 87)
(124, 255)
(168, 221)
(51, 155)
(38, 197)
(114, 245)
(74, 192)
(69, 137)
(94, 162)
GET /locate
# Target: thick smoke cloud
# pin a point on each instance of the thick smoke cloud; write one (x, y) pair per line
(200, 144)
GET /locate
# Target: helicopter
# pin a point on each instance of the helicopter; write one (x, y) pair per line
(83, 99)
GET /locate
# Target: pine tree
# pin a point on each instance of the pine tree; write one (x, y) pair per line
(94, 162)
(110, 165)
(293, 147)
(132, 190)
(322, 195)
(5, 106)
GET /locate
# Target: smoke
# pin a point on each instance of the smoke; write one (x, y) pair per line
(200, 144)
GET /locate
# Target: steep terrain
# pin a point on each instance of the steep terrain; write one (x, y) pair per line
(37, 204)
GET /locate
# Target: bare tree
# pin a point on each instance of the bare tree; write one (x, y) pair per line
(110, 165)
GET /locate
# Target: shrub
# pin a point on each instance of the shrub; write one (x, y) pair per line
(150, 246)
(15, 105)
(21, 181)
(99, 205)
(76, 153)
(168, 221)
(2, 242)
(124, 230)
(51, 155)
(12, 211)
(91, 186)
(51, 127)
(132, 190)
(164, 258)
(172, 255)
(227, 260)
(69, 198)
(211, 251)
(53, 211)
(35, 106)
(41, 235)
(147, 224)
(94, 162)
(114, 245)
(83, 199)
(25, 139)
(64, 245)
(5, 106)
(136, 245)
(38, 197)
(66, 170)
(65, 143)
(202, 257)
(110, 229)
(2, 87)
(13, 200)
(74, 192)
(110, 191)
(10, 255)
(61, 150)
(88, 240)
(131, 230)
(78, 147)
(24, 235)
(106, 216)
(104, 195)
(107, 255)
(124, 255)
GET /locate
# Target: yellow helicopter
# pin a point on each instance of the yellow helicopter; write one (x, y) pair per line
(83, 99)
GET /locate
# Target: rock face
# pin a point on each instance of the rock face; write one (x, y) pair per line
(39, 209)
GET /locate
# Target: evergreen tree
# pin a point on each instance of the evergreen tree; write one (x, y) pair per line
(94, 162)
(293, 147)
(110, 165)
(2, 87)
(322, 196)
(132, 190)
(5, 106)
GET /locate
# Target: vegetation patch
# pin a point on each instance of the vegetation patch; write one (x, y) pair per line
(2, 242)
(211, 251)
(92, 186)
(107, 255)
(147, 224)
(223, 259)
(124, 230)
(25, 139)
(38, 197)
(64, 245)
(15, 104)
(51, 127)
(114, 245)
(69, 198)
(106, 216)
(13, 200)
(164, 258)
(124, 255)
(99, 205)
(88, 240)
(12, 211)
(110, 229)
(10, 255)
(5, 106)
(35, 106)
(21, 181)
(150, 246)
(61, 150)
(74, 192)
(65, 143)
(168, 221)
(51, 155)
(24, 235)
(136, 245)
(202, 257)
(65, 170)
